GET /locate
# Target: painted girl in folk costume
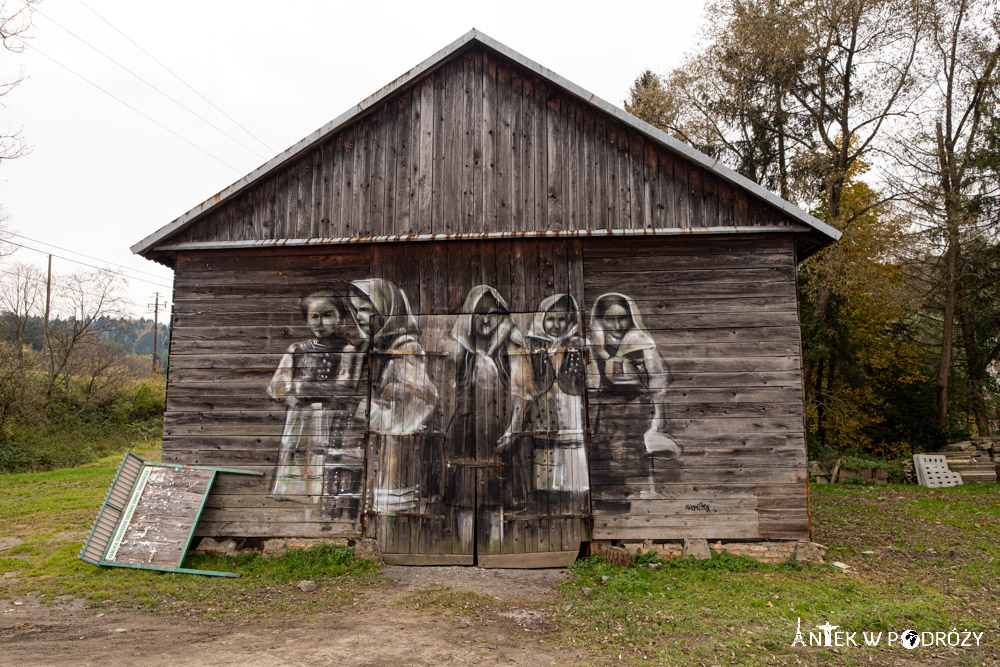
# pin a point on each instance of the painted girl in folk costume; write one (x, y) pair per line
(307, 378)
(558, 356)
(631, 372)
(402, 394)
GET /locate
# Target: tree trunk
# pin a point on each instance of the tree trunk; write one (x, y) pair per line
(820, 406)
(947, 325)
(972, 361)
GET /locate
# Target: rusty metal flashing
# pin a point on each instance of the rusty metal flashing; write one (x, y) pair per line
(481, 236)
(150, 243)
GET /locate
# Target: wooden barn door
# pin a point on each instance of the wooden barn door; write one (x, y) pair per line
(421, 484)
(496, 472)
(532, 489)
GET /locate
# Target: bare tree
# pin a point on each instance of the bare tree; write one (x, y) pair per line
(99, 367)
(22, 294)
(962, 50)
(15, 22)
(87, 304)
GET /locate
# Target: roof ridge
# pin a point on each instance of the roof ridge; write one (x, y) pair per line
(675, 146)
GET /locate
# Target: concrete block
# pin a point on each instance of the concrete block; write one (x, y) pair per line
(368, 549)
(810, 553)
(697, 548)
(932, 471)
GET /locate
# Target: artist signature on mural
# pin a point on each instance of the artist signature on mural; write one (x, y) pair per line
(700, 507)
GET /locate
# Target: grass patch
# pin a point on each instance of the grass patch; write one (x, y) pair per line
(924, 559)
(48, 514)
(729, 608)
(63, 445)
(64, 434)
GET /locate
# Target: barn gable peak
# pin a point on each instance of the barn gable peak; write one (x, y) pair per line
(651, 183)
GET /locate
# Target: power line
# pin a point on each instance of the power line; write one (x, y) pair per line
(156, 324)
(43, 283)
(154, 87)
(143, 114)
(99, 268)
(96, 259)
(177, 76)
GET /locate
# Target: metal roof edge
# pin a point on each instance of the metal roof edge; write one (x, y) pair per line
(437, 58)
(485, 236)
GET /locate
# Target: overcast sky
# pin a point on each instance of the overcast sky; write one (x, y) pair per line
(101, 176)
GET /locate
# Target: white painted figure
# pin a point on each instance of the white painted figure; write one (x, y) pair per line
(559, 364)
(631, 377)
(403, 397)
(306, 379)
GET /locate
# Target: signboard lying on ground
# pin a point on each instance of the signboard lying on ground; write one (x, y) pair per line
(149, 515)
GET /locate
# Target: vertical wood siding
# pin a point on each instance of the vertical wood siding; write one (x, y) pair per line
(480, 145)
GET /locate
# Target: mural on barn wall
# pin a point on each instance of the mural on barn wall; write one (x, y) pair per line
(642, 357)
(472, 376)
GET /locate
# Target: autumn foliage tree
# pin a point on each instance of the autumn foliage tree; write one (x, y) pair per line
(863, 345)
(804, 96)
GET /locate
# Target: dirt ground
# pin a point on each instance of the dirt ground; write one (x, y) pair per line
(379, 631)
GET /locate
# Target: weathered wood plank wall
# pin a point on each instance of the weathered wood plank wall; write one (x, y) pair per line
(481, 145)
(693, 343)
(720, 314)
(723, 319)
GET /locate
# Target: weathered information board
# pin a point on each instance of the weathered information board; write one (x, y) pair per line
(148, 518)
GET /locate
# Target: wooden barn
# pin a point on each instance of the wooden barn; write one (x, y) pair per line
(486, 317)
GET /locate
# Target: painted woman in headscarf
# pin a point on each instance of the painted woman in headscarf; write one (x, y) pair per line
(632, 374)
(492, 368)
(402, 395)
(307, 378)
(558, 357)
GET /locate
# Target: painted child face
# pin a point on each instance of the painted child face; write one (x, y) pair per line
(322, 316)
(365, 314)
(556, 324)
(617, 322)
(487, 317)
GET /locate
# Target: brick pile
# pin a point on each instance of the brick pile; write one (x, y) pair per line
(973, 460)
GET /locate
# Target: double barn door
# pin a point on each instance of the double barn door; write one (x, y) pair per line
(489, 471)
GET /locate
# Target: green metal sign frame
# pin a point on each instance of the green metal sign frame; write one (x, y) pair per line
(114, 516)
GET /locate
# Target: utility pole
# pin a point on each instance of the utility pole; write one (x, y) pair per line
(45, 324)
(156, 324)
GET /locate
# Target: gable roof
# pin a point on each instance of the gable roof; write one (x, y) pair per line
(149, 244)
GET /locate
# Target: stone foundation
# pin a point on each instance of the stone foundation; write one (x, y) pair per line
(771, 552)
(276, 546)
